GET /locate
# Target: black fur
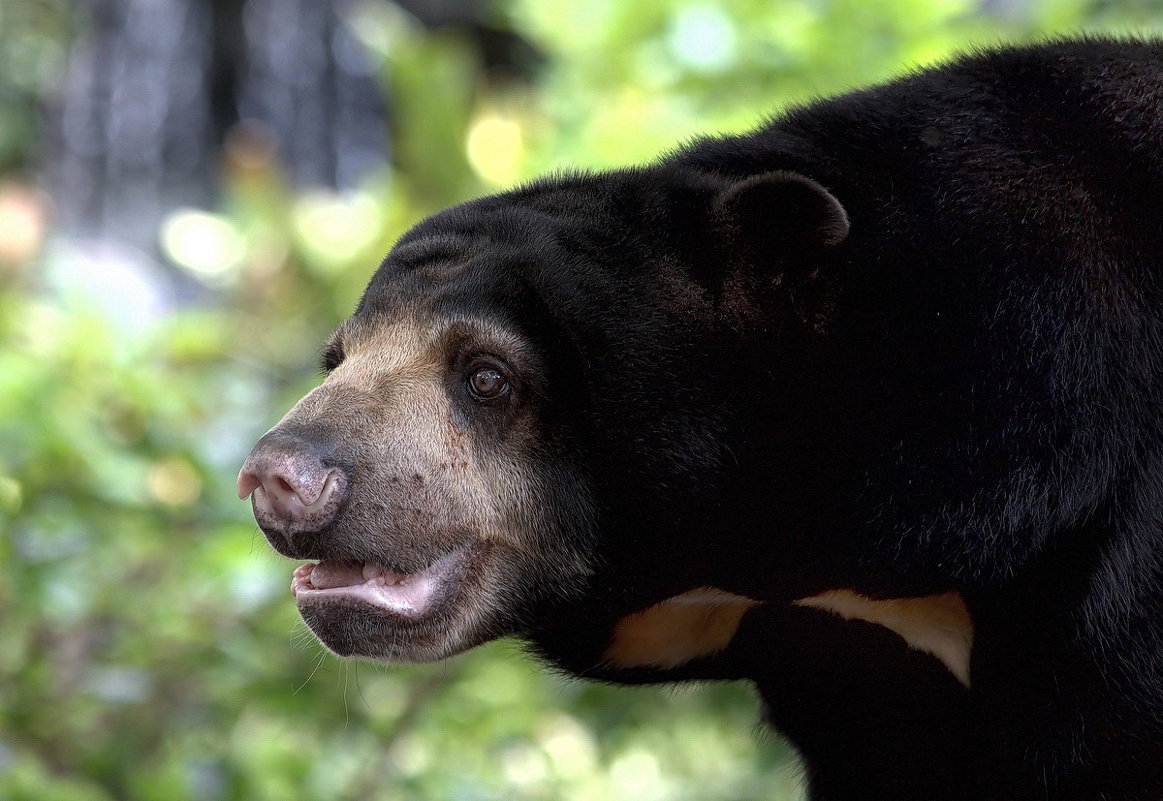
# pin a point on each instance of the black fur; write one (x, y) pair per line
(929, 359)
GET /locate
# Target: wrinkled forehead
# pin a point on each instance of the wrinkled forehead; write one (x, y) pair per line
(501, 268)
(475, 258)
(427, 335)
(441, 295)
(446, 277)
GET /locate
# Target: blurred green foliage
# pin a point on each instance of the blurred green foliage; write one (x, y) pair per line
(34, 35)
(149, 649)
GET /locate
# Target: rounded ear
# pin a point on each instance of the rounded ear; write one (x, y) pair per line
(779, 214)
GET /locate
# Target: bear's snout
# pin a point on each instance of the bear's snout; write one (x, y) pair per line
(294, 492)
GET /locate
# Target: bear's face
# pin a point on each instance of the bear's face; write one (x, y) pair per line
(452, 501)
(522, 417)
(420, 473)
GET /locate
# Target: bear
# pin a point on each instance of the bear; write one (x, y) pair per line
(862, 407)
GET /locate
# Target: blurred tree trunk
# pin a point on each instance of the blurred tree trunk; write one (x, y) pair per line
(155, 87)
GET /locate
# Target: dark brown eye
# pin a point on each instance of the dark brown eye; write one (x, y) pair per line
(487, 384)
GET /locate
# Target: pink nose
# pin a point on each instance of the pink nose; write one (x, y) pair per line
(291, 490)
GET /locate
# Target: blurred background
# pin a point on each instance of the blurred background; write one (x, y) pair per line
(192, 194)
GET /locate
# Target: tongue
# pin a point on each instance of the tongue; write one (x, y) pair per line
(401, 593)
(330, 573)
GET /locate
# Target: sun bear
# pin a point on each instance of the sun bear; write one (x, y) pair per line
(864, 407)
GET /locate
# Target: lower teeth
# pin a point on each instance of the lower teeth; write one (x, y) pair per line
(375, 574)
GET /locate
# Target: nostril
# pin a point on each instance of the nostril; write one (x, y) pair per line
(282, 486)
(295, 489)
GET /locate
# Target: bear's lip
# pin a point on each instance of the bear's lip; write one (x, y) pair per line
(408, 595)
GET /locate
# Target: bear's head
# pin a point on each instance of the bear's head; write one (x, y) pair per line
(547, 407)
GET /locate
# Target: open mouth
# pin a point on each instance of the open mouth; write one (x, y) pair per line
(408, 595)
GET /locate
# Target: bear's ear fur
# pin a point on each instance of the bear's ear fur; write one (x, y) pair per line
(773, 238)
(779, 218)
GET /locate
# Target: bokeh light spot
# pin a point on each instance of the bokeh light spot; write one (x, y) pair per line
(495, 146)
(702, 38)
(174, 482)
(205, 244)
